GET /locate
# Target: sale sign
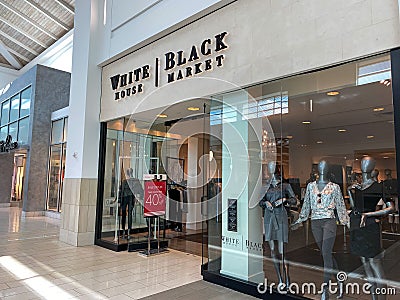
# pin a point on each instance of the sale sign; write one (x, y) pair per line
(154, 198)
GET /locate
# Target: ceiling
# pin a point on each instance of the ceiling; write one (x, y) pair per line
(29, 27)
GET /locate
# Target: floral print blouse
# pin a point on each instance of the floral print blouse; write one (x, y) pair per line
(322, 204)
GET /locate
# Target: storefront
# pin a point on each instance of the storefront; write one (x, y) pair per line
(27, 104)
(230, 116)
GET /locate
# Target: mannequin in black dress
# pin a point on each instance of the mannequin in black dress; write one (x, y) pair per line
(276, 218)
(365, 231)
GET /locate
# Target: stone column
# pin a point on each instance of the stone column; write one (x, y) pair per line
(80, 185)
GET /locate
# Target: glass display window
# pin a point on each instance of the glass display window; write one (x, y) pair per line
(56, 171)
(318, 154)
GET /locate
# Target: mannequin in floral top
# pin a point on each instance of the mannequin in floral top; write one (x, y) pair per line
(322, 198)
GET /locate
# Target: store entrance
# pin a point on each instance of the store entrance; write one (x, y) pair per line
(176, 142)
(12, 165)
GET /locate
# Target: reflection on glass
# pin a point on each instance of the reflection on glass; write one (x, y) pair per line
(62, 175)
(54, 177)
(57, 131)
(13, 131)
(3, 133)
(340, 115)
(25, 102)
(23, 131)
(65, 130)
(5, 110)
(14, 112)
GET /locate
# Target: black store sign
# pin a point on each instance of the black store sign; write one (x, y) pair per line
(197, 59)
(232, 215)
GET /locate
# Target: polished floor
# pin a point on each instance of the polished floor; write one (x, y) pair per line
(35, 265)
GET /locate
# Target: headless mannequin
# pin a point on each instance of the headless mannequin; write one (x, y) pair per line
(275, 180)
(372, 266)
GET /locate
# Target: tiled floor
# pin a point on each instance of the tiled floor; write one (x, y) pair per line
(35, 265)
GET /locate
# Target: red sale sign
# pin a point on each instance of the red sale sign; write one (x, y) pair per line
(154, 198)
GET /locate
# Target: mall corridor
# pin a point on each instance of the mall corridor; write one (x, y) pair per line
(34, 264)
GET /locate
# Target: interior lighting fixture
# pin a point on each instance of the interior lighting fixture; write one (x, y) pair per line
(386, 157)
(376, 109)
(370, 136)
(320, 142)
(162, 116)
(333, 93)
(306, 122)
(289, 136)
(386, 82)
(192, 108)
(342, 130)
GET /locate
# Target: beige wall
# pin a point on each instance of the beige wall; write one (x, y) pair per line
(267, 40)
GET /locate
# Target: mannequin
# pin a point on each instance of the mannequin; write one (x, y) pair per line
(390, 183)
(321, 199)
(375, 174)
(127, 200)
(365, 231)
(276, 219)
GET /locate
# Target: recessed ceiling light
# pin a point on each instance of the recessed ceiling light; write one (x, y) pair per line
(162, 116)
(365, 155)
(289, 136)
(193, 108)
(386, 157)
(306, 122)
(342, 130)
(333, 93)
(370, 136)
(319, 142)
(376, 109)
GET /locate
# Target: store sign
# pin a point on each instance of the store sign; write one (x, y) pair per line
(154, 198)
(176, 65)
(254, 246)
(232, 242)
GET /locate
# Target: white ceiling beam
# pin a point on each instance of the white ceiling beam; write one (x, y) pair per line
(28, 19)
(66, 6)
(8, 56)
(7, 66)
(48, 14)
(29, 36)
(19, 43)
(18, 54)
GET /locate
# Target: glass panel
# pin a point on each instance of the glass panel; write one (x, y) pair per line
(57, 131)
(25, 102)
(14, 112)
(54, 177)
(324, 118)
(13, 131)
(3, 133)
(128, 158)
(65, 135)
(23, 132)
(5, 110)
(64, 146)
